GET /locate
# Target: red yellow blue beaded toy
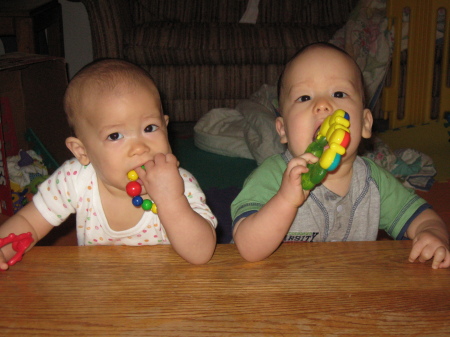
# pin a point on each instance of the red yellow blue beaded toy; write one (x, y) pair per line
(134, 190)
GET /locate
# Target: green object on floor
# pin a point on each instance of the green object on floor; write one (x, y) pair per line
(211, 170)
(41, 150)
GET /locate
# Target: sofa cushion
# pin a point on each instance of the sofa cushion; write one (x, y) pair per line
(306, 12)
(312, 12)
(163, 43)
(187, 11)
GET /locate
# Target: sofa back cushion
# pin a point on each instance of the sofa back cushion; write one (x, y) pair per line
(307, 12)
(318, 13)
(162, 43)
(187, 10)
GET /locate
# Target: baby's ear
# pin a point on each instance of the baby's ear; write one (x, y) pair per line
(367, 124)
(279, 124)
(77, 148)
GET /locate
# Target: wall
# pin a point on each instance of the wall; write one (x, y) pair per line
(77, 36)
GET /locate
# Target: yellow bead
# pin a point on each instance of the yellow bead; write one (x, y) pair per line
(132, 175)
(154, 208)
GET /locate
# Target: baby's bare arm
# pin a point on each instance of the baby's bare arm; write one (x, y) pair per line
(190, 235)
(28, 219)
(260, 234)
(430, 240)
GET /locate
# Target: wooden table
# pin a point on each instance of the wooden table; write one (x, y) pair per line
(28, 20)
(348, 289)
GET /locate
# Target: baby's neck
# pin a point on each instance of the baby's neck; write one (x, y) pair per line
(119, 210)
(339, 180)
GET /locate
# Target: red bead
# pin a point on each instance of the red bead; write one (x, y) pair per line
(133, 188)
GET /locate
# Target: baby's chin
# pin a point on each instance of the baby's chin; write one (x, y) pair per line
(297, 151)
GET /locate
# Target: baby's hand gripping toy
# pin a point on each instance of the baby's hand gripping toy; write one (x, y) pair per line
(134, 190)
(20, 243)
(334, 132)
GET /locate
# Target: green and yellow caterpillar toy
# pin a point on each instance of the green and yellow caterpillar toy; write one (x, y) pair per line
(334, 132)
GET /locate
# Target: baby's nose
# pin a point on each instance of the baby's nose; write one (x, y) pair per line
(323, 105)
(138, 147)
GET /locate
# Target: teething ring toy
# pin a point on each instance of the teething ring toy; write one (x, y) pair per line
(20, 243)
(334, 132)
(134, 190)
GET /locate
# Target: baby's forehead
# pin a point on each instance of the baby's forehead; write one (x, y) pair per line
(321, 55)
(317, 59)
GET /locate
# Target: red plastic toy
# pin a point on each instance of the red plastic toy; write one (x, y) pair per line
(20, 243)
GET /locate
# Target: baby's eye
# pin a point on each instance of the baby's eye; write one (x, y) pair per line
(151, 128)
(340, 94)
(303, 98)
(115, 136)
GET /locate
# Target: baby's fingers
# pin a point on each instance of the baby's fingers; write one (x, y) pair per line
(420, 251)
(3, 263)
(298, 165)
(308, 158)
(170, 158)
(441, 258)
(424, 252)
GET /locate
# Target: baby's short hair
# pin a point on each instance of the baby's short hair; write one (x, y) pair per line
(103, 75)
(319, 44)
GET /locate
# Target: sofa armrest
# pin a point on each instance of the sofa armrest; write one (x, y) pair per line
(108, 21)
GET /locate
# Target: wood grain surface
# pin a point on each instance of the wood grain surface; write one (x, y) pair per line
(315, 289)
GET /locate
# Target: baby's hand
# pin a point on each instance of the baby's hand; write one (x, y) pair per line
(161, 178)
(3, 262)
(291, 185)
(428, 245)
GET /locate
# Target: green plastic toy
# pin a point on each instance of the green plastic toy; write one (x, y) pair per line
(335, 133)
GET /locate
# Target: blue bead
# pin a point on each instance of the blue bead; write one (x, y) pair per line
(137, 201)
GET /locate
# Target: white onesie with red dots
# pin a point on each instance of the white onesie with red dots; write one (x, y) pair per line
(73, 188)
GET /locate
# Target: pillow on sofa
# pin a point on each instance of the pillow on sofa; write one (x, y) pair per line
(220, 131)
(260, 133)
(248, 131)
(367, 39)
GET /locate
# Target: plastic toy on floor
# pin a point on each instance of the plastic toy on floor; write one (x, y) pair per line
(20, 243)
(134, 190)
(334, 132)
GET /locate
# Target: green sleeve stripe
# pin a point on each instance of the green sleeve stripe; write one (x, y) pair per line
(402, 234)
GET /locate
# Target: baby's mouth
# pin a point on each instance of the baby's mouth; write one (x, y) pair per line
(316, 133)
